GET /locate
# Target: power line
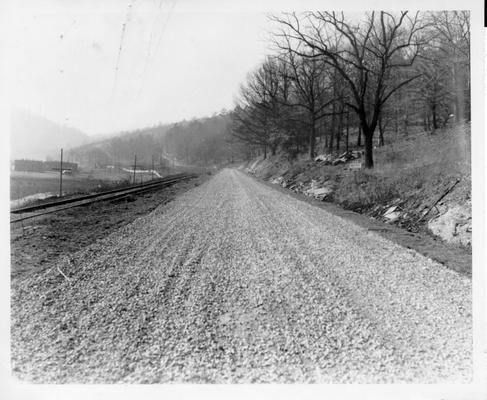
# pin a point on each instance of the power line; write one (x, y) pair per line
(151, 40)
(165, 25)
(159, 40)
(122, 37)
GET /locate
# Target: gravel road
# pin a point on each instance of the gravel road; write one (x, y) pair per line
(235, 282)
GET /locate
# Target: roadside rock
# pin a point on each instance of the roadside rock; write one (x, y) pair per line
(325, 158)
(277, 180)
(320, 191)
(328, 159)
(297, 187)
(392, 214)
(453, 225)
(392, 217)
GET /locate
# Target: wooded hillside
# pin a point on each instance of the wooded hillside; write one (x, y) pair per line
(200, 142)
(332, 72)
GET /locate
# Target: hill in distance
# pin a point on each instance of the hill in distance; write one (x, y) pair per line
(36, 137)
(119, 149)
(200, 141)
(197, 142)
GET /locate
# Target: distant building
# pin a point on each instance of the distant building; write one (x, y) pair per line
(56, 166)
(43, 166)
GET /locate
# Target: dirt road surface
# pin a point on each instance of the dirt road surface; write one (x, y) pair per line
(235, 282)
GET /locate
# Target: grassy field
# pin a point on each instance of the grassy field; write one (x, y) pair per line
(24, 184)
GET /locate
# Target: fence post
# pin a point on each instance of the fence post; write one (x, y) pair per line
(61, 176)
(135, 166)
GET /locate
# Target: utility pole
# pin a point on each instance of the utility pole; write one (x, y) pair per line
(61, 175)
(135, 166)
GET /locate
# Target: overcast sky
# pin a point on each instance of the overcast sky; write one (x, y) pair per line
(176, 60)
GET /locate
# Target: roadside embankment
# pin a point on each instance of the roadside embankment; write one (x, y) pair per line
(420, 184)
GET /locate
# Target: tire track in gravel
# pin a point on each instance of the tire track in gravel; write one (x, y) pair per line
(452, 337)
(307, 327)
(234, 282)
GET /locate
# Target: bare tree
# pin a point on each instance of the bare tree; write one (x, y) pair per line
(309, 91)
(452, 39)
(255, 119)
(433, 90)
(365, 54)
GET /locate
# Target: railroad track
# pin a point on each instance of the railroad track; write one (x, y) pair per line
(63, 204)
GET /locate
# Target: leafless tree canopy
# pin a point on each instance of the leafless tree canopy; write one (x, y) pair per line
(370, 68)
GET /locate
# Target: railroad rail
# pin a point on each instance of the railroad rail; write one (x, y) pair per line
(59, 205)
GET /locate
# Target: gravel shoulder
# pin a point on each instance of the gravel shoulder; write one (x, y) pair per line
(233, 282)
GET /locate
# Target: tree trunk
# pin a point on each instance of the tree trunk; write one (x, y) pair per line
(467, 98)
(333, 129)
(381, 132)
(458, 90)
(435, 119)
(369, 145)
(396, 121)
(312, 139)
(406, 120)
(340, 129)
(359, 139)
(265, 151)
(346, 137)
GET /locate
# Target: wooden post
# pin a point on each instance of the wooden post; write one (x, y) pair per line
(152, 172)
(135, 166)
(61, 175)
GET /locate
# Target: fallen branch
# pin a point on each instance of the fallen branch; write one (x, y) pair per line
(439, 199)
(62, 273)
